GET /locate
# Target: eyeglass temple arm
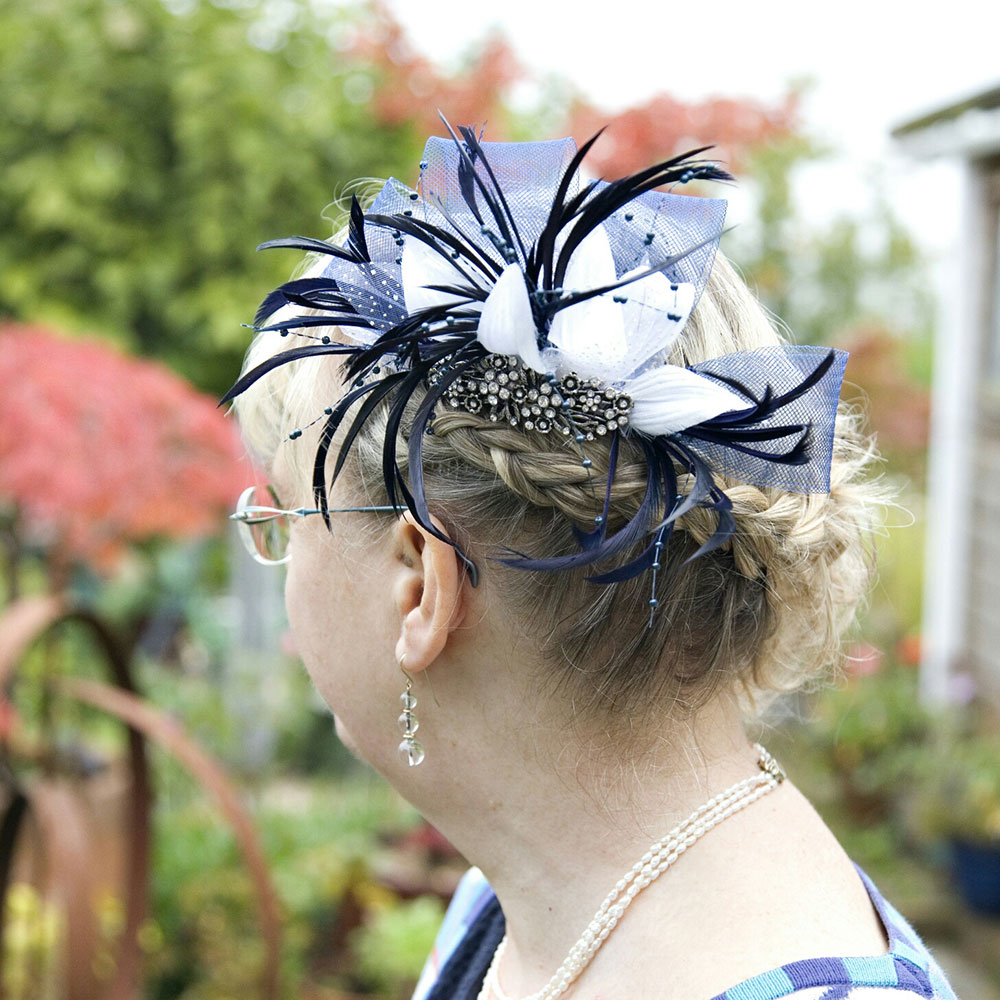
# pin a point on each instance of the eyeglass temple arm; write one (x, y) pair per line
(267, 513)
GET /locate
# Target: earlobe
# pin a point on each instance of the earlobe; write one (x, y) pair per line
(428, 592)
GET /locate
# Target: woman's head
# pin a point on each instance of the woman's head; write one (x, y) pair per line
(706, 582)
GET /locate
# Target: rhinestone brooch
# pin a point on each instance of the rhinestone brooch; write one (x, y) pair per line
(502, 389)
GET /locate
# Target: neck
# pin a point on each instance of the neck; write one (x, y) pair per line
(554, 828)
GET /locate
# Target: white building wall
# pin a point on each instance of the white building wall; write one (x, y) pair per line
(958, 355)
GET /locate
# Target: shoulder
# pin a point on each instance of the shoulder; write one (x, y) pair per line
(906, 970)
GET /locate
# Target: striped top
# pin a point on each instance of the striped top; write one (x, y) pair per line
(473, 926)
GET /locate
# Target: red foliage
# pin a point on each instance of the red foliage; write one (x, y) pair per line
(909, 650)
(411, 88)
(898, 406)
(98, 450)
(664, 126)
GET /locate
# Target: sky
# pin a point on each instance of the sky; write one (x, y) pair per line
(874, 64)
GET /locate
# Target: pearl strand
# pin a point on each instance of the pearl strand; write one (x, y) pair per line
(645, 871)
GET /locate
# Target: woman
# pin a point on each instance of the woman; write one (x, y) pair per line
(559, 490)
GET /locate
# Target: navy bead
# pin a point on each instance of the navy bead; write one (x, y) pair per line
(586, 463)
(653, 602)
(295, 434)
(414, 196)
(656, 565)
(580, 438)
(328, 410)
(599, 520)
(326, 340)
(629, 216)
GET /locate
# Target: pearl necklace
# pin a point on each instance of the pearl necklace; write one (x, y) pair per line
(647, 869)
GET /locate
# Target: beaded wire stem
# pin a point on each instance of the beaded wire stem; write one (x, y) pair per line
(646, 870)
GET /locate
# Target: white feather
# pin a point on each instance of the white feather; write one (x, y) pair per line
(650, 307)
(590, 336)
(423, 266)
(668, 399)
(506, 325)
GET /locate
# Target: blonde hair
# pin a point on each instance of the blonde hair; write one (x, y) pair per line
(763, 614)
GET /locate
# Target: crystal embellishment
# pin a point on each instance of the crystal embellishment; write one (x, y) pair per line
(502, 389)
(410, 747)
(412, 750)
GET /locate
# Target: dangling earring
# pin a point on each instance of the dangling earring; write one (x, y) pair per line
(411, 748)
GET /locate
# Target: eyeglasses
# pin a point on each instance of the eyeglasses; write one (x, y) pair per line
(268, 525)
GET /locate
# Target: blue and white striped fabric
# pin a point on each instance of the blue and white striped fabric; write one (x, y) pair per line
(471, 896)
(907, 971)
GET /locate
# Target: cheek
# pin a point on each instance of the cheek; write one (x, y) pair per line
(314, 623)
(335, 619)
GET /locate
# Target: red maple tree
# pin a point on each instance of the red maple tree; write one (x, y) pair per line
(99, 450)
(411, 89)
(662, 126)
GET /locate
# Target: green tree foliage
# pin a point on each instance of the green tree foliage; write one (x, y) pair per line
(147, 148)
(826, 280)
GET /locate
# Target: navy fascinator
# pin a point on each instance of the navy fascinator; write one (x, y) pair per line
(506, 287)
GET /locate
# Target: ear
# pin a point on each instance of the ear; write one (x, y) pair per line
(429, 593)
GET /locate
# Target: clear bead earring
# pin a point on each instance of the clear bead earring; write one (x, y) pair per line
(410, 747)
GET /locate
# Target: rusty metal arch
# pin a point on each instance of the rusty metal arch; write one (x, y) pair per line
(21, 625)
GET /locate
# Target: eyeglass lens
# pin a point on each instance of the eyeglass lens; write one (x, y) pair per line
(269, 535)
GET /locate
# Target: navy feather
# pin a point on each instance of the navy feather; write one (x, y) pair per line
(280, 296)
(310, 245)
(356, 242)
(476, 149)
(467, 155)
(541, 259)
(433, 236)
(330, 428)
(276, 361)
(593, 539)
(619, 193)
(734, 428)
(467, 185)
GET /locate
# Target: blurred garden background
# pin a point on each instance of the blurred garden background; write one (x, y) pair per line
(178, 820)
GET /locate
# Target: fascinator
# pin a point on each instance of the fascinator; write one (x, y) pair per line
(506, 287)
